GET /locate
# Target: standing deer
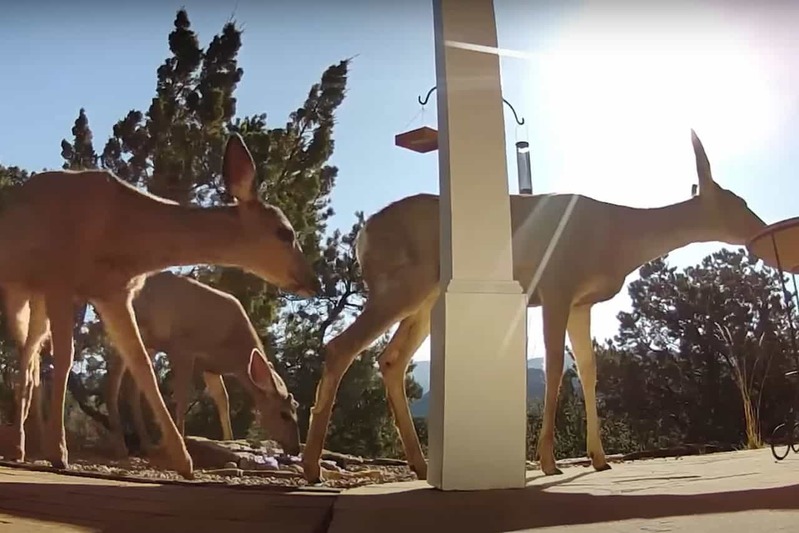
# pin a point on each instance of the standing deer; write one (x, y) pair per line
(195, 324)
(569, 253)
(83, 236)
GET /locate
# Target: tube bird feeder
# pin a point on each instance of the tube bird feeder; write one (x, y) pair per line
(523, 167)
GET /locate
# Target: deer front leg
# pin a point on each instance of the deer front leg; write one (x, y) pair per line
(384, 308)
(555, 319)
(118, 318)
(61, 313)
(37, 325)
(580, 336)
(215, 385)
(393, 366)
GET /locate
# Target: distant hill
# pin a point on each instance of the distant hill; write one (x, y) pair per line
(421, 370)
(536, 385)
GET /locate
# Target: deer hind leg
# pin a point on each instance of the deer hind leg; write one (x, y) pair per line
(182, 379)
(118, 318)
(114, 377)
(215, 385)
(61, 313)
(579, 329)
(35, 424)
(137, 401)
(393, 366)
(384, 308)
(555, 317)
(29, 326)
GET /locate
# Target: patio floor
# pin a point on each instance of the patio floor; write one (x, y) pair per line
(706, 493)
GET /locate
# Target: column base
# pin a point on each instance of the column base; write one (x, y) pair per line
(478, 382)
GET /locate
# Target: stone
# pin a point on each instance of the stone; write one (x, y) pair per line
(206, 453)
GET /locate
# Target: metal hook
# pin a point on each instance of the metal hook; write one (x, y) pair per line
(427, 98)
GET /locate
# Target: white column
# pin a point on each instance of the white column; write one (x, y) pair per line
(477, 419)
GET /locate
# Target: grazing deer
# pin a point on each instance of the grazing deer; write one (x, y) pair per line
(195, 324)
(82, 236)
(569, 252)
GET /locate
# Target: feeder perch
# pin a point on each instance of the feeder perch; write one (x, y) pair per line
(420, 140)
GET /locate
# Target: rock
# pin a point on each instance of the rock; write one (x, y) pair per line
(329, 465)
(251, 461)
(288, 459)
(206, 453)
(342, 459)
(384, 461)
(295, 468)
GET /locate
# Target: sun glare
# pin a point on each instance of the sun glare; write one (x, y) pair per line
(639, 96)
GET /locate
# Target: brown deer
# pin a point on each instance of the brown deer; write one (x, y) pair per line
(87, 236)
(195, 324)
(569, 252)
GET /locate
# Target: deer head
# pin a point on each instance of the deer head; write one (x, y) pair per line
(277, 256)
(726, 212)
(276, 406)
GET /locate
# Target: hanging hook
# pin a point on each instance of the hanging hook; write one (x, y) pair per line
(427, 97)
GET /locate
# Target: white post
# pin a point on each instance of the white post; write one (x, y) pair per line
(478, 371)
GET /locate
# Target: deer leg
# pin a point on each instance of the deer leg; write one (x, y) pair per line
(119, 320)
(555, 320)
(137, 399)
(215, 385)
(384, 308)
(393, 366)
(183, 374)
(34, 425)
(61, 313)
(114, 376)
(580, 336)
(37, 325)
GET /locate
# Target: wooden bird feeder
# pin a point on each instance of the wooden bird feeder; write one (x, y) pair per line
(420, 140)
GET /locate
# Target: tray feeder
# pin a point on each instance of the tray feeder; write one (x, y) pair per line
(777, 245)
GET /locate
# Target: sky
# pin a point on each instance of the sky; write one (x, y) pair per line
(609, 92)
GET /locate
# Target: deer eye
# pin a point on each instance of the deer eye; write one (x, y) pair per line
(285, 234)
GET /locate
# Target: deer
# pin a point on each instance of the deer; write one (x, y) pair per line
(104, 236)
(196, 325)
(569, 253)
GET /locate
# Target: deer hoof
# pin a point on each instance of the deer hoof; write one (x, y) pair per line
(602, 467)
(554, 471)
(420, 471)
(59, 458)
(160, 459)
(312, 472)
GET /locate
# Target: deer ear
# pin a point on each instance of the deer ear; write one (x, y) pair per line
(238, 170)
(704, 176)
(263, 375)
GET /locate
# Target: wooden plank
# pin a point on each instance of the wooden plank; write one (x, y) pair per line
(29, 498)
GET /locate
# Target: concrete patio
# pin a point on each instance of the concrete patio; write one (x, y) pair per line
(700, 493)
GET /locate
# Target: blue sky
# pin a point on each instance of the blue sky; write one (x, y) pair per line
(609, 93)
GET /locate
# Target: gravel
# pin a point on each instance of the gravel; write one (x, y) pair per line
(267, 471)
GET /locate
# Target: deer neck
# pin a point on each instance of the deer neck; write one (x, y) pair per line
(655, 232)
(176, 235)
